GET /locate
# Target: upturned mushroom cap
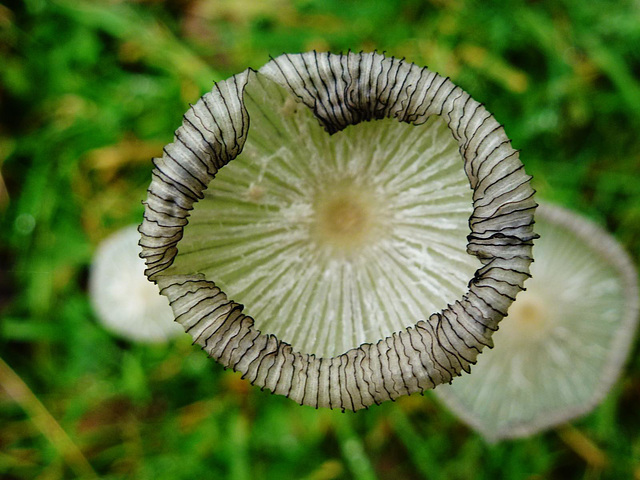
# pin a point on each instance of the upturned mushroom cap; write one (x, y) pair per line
(565, 340)
(368, 226)
(122, 297)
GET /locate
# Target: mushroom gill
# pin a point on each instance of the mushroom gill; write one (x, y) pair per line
(565, 340)
(368, 226)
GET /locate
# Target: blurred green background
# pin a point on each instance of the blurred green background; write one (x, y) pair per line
(91, 90)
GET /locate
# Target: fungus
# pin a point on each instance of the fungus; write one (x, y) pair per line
(368, 226)
(123, 299)
(565, 340)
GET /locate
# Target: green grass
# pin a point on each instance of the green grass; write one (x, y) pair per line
(90, 91)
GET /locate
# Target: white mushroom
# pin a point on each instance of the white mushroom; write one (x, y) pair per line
(123, 299)
(356, 263)
(565, 340)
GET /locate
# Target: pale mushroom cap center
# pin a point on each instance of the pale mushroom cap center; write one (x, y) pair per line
(346, 219)
(530, 318)
(342, 218)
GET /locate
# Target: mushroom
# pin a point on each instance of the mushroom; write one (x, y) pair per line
(565, 340)
(367, 228)
(123, 299)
